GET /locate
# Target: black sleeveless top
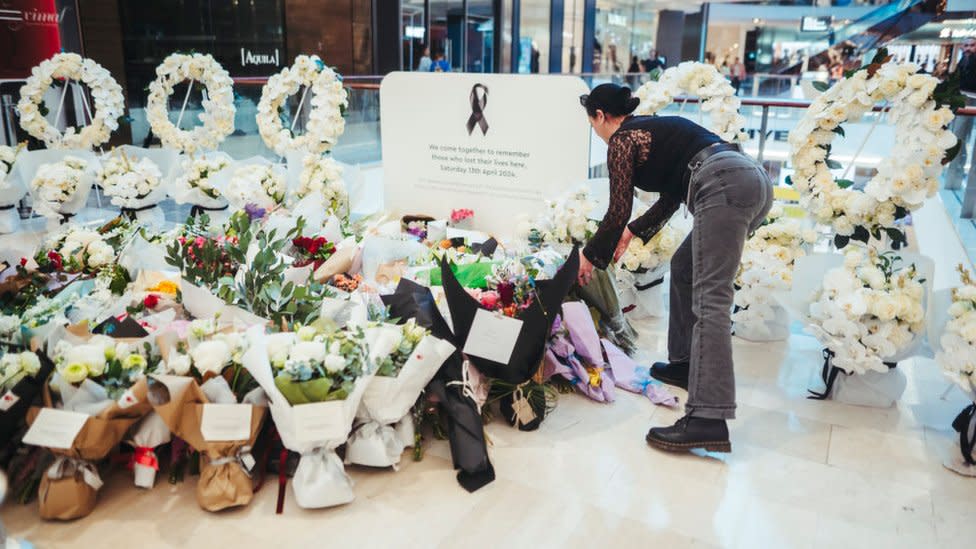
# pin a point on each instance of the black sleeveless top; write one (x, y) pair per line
(634, 163)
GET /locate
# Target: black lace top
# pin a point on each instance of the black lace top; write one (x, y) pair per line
(634, 163)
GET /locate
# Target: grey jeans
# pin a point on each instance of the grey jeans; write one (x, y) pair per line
(730, 197)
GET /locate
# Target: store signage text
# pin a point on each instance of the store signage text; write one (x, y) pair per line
(32, 17)
(250, 58)
(617, 19)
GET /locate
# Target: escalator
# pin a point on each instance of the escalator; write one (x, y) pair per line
(872, 31)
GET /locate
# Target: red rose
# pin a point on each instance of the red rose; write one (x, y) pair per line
(55, 258)
(23, 262)
(506, 291)
(151, 301)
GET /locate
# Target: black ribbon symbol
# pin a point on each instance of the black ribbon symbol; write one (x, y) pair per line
(478, 109)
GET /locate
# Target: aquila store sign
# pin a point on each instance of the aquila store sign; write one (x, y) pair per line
(255, 59)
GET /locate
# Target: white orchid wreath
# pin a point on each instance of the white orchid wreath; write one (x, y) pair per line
(217, 118)
(325, 119)
(716, 94)
(921, 110)
(108, 107)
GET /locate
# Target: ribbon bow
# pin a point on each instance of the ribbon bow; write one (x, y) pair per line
(242, 456)
(197, 210)
(65, 466)
(477, 109)
(144, 456)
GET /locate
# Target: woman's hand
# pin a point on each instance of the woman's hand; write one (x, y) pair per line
(625, 239)
(585, 270)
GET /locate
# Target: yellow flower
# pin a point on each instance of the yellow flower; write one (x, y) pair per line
(75, 372)
(165, 287)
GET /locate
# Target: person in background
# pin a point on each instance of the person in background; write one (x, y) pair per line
(425, 61)
(634, 67)
(963, 125)
(534, 58)
(725, 70)
(440, 64)
(632, 72)
(738, 74)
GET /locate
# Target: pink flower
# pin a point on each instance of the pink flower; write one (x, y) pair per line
(461, 214)
(490, 299)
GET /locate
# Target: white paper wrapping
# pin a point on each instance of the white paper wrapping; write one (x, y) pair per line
(26, 168)
(201, 303)
(776, 329)
(378, 250)
(150, 432)
(375, 442)
(141, 255)
(871, 389)
(320, 479)
(167, 162)
(9, 221)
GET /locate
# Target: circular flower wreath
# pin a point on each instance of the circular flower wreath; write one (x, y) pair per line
(921, 109)
(716, 94)
(109, 105)
(325, 119)
(217, 118)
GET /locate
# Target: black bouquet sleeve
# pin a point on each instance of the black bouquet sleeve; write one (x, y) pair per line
(465, 431)
(537, 319)
(25, 391)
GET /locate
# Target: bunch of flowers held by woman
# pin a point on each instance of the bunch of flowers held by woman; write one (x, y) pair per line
(564, 221)
(113, 364)
(958, 354)
(921, 110)
(322, 175)
(57, 182)
(16, 366)
(767, 264)
(81, 250)
(510, 289)
(654, 254)
(868, 310)
(126, 179)
(197, 171)
(312, 365)
(257, 184)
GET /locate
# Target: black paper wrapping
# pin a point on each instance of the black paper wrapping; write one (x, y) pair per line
(27, 389)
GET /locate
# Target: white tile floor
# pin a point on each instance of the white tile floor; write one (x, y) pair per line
(802, 474)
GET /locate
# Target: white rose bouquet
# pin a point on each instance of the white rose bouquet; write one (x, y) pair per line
(315, 382)
(869, 311)
(641, 270)
(254, 182)
(958, 341)
(80, 250)
(195, 183)
(202, 370)
(16, 366)
(59, 181)
(564, 221)
(104, 379)
(400, 378)
(767, 267)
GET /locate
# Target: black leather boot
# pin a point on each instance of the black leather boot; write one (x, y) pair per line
(671, 373)
(689, 433)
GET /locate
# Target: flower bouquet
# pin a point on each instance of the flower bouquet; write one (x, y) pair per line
(210, 401)
(79, 250)
(450, 387)
(634, 378)
(869, 313)
(255, 181)
(99, 390)
(400, 378)
(136, 179)
(59, 181)
(462, 218)
(12, 189)
(315, 382)
(953, 333)
(318, 177)
(642, 267)
(194, 184)
(767, 267)
(22, 375)
(530, 308)
(575, 354)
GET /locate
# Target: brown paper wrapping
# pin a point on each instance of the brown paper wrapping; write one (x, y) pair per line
(70, 498)
(220, 486)
(390, 273)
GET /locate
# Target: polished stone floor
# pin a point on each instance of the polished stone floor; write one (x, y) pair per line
(802, 474)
